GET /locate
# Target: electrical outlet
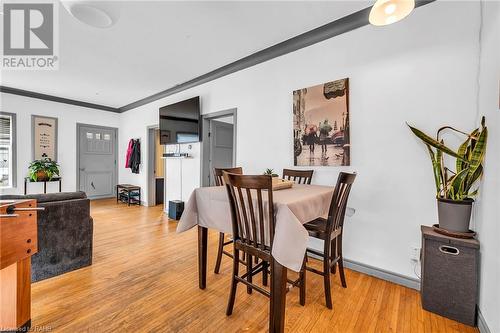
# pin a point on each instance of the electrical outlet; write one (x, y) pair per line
(415, 254)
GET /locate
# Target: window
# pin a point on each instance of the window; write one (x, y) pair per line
(7, 150)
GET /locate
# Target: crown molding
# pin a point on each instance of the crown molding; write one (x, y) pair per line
(32, 94)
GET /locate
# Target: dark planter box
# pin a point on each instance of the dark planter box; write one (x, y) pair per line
(450, 276)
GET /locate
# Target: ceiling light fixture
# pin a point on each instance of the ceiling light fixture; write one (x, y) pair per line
(385, 12)
(91, 13)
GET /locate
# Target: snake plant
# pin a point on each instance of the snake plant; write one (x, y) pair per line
(460, 184)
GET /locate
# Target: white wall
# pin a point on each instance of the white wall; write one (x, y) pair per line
(488, 204)
(424, 73)
(422, 70)
(68, 116)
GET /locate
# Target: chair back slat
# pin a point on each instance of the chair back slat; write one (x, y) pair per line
(249, 227)
(271, 216)
(298, 176)
(245, 231)
(339, 201)
(252, 218)
(261, 219)
(237, 219)
(219, 177)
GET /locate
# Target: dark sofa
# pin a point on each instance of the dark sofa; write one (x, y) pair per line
(65, 231)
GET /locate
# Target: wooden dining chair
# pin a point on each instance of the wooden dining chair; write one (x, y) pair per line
(330, 231)
(219, 181)
(253, 223)
(298, 176)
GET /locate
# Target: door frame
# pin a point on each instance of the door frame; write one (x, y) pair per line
(115, 129)
(205, 145)
(151, 158)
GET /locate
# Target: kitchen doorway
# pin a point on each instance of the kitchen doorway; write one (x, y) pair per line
(219, 143)
(156, 168)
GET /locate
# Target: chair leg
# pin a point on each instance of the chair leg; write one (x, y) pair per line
(234, 283)
(341, 263)
(302, 291)
(334, 255)
(249, 263)
(219, 253)
(265, 270)
(326, 280)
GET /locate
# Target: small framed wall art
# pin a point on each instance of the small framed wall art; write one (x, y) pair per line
(44, 137)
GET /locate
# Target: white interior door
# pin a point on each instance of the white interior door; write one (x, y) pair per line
(221, 146)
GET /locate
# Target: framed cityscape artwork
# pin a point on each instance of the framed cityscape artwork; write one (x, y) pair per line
(321, 125)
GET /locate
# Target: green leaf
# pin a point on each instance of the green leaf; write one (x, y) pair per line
(430, 141)
(435, 170)
(457, 184)
(451, 128)
(440, 164)
(472, 179)
(462, 151)
(451, 193)
(472, 195)
(477, 155)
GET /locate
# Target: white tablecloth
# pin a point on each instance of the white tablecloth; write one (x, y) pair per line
(209, 207)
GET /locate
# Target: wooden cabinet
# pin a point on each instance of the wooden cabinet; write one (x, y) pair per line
(18, 242)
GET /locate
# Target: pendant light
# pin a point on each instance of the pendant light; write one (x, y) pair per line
(385, 12)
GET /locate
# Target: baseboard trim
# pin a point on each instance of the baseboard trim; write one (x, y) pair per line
(379, 273)
(382, 274)
(481, 323)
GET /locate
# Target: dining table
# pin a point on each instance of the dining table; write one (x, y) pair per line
(208, 208)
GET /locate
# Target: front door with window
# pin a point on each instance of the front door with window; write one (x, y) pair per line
(97, 161)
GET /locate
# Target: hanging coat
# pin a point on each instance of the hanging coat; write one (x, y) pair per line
(129, 153)
(135, 157)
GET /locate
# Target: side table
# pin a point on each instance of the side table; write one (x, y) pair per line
(28, 180)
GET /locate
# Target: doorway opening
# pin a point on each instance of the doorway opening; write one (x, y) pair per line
(156, 168)
(219, 143)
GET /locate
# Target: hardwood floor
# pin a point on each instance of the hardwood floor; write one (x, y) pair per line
(144, 279)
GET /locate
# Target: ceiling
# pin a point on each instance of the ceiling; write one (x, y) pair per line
(156, 45)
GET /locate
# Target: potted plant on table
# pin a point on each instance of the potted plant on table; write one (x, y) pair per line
(270, 172)
(455, 190)
(43, 170)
